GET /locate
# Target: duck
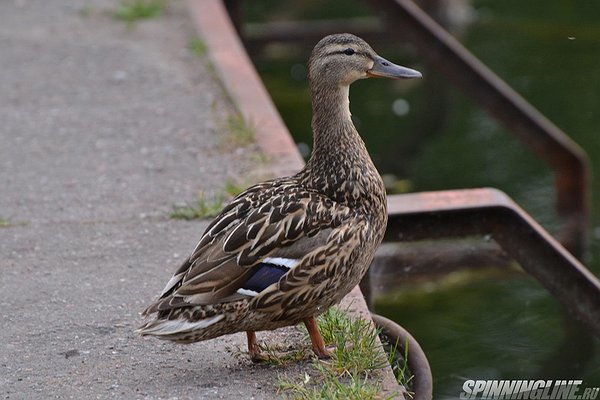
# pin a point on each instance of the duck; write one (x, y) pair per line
(284, 251)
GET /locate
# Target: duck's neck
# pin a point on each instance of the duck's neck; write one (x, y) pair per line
(339, 164)
(331, 122)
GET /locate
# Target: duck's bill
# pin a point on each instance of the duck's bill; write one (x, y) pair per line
(382, 68)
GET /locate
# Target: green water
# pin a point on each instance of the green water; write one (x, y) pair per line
(430, 137)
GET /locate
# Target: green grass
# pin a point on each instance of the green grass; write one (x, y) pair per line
(398, 359)
(131, 11)
(240, 133)
(197, 47)
(260, 157)
(208, 206)
(351, 372)
(204, 207)
(232, 188)
(278, 354)
(9, 223)
(328, 385)
(5, 222)
(356, 344)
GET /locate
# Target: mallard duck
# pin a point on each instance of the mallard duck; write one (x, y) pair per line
(286, 250)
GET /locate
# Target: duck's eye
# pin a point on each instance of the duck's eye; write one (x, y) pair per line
(349, 52)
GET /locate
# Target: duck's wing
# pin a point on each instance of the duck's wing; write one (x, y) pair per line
(256, 239)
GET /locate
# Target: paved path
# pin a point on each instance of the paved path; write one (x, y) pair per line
(102, 129)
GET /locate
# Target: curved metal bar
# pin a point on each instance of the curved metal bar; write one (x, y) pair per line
(461, 213)
(417, 361)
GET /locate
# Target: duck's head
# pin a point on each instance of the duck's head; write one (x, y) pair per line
(340, 59)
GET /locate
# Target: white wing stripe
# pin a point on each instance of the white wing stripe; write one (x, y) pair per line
(286, 262)
(247, 292)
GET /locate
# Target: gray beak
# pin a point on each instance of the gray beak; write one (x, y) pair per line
(382, 68)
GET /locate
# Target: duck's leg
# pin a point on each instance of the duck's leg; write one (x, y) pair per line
(318, 345)
(254, 349)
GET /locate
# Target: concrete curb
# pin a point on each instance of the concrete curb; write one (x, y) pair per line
(244, 86)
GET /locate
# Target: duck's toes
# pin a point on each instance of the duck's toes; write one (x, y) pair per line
(324, 352)
(258, 357)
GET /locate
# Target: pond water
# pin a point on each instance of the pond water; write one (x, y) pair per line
(427, 136)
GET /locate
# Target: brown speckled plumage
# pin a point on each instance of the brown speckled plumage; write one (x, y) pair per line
(329, 218)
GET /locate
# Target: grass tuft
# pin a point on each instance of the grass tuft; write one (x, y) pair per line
(348, 374)
(356, 344)
(9, 223)
(260, 157)
(240, 132)
(131, 11)
(328, 386)
(5, 222)
(205, 207)
(197, 47)
(332, 323)
(398, 359)
(233, 188)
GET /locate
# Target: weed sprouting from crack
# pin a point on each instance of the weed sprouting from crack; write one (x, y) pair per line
(131, 11)
(207, 205)
(204, 207)
(240, 133)
(197, 47)
(397, 357)
(327, 385)
(9, 223)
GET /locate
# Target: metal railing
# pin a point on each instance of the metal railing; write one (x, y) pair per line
(462, 213)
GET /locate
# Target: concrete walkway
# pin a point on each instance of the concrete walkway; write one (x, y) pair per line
(104, 128)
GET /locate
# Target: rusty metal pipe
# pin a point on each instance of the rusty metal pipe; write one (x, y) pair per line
(417, 360)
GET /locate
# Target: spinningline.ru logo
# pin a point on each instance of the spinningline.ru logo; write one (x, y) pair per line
(527, 389)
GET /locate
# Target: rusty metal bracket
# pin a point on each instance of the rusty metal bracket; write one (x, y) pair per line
(478, 82)
(461, 213)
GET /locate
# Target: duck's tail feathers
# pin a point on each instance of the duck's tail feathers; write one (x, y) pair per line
(166, 329)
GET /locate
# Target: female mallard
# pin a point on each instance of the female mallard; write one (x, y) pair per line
(286, 250)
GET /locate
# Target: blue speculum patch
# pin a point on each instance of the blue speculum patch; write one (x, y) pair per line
(264, 276)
